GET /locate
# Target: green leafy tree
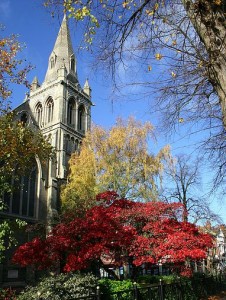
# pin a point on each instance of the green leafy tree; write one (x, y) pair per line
(116, 159)
(7, 230)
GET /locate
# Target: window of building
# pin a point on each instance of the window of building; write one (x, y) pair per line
(24, 119)
(81, 118)
(76, 145)
(71, 112)
(38, 112)
(72, 63)
(68, 144)
(49, 110)
(22, 200)
(51, 62)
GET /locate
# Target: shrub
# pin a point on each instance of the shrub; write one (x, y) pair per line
(110, 287)
(151, 279)
(61, 287)
(7, 294)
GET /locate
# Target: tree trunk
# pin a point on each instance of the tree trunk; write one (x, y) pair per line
(209, 22)
(109, 271)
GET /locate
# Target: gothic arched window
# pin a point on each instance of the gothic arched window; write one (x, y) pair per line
(81, 118)
(49, 110)
(22, 201)
(71, 112)
(38, 113)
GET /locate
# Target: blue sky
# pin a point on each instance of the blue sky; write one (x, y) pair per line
(38, 30)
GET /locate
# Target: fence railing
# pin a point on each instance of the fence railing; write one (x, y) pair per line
(185, 290)
(147, 292)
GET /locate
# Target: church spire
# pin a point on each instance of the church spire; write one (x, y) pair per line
(62, 55)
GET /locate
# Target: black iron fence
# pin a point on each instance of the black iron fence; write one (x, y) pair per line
(182, 290)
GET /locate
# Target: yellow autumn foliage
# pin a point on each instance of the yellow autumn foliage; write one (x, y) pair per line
(116, 159)
(81, 187)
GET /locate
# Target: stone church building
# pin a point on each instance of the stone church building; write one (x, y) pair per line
(61, 109)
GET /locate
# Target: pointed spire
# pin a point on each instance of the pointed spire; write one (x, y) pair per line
(63, 46)
(62, 54)
(87, 88)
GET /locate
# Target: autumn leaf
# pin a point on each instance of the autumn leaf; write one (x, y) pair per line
(181, 120)
(158, 56)
(173, 74)
(149, 12)
(125, 4)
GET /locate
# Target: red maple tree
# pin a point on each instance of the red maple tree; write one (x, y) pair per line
(117, 231)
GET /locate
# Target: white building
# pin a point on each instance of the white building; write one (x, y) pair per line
(220, 244)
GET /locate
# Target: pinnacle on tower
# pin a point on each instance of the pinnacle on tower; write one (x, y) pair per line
(87, 88)
(35, 84)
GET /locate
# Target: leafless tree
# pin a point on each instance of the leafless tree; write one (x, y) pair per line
(183, 41)
(183, 184)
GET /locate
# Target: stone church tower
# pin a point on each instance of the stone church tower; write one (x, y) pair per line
(61, 109)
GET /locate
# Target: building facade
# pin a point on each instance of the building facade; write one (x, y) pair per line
(220, 253)
(61, 109)
(216, 259)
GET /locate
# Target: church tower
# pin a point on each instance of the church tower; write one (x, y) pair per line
(61, 109)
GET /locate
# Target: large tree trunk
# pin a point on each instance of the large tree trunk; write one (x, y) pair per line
(208, 20)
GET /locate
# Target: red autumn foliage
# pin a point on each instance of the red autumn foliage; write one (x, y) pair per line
(115, 231)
